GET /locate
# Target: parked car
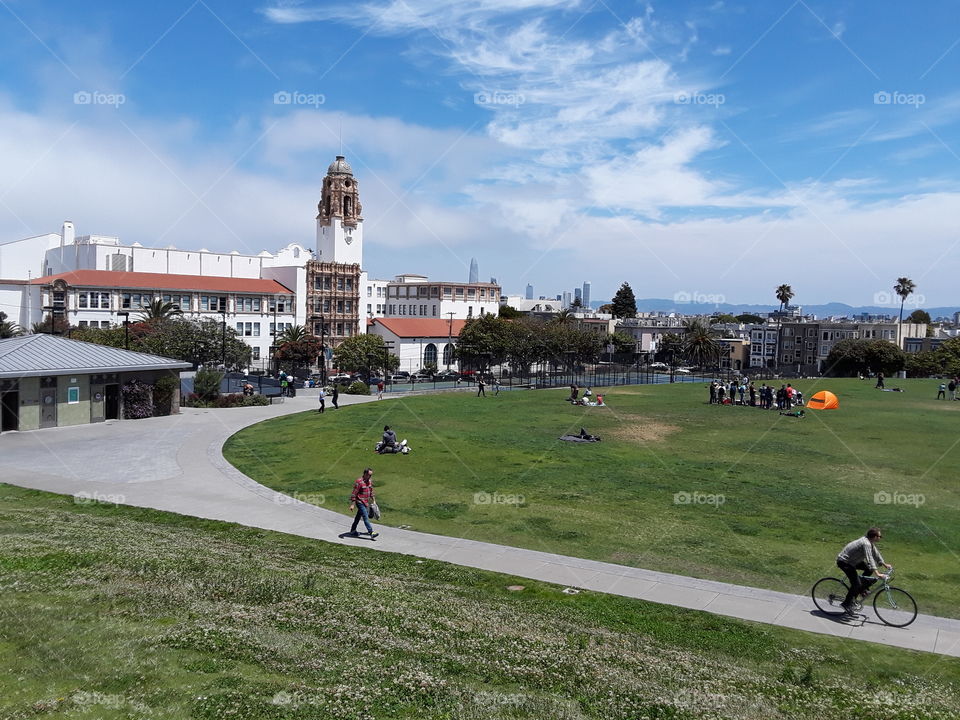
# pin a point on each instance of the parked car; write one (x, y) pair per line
(446, 376)
(682, 371)
(341, 378)
(658, 366)
(398, 378)
(422, 376)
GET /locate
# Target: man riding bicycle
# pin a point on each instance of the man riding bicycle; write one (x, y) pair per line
(861, 554)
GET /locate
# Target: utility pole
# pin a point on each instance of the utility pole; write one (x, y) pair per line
(126, 328)
(223, 338)
(450, 336)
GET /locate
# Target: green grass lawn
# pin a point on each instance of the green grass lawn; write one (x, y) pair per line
(793, 490)
(117, 612)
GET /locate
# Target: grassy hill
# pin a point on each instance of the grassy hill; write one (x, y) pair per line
(114, 612)
(729, 493)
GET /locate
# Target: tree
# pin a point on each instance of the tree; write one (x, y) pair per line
(699, 344)
(784, 295)
(624, 302)
(483, 342)
(850, 357)
(919, 317)
(576, 304)
(361, 352)
(564, 318)
(925, 364)
(724, 319)
(157, 309)
(670, 349)
(607, 308)
(508, 312)
(750, 319)
(51, 325)
(8, 328)
(904, 288)
(293, 334)
(622, 343)
(299, 353)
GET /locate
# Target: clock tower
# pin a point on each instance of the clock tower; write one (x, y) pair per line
(339, 223)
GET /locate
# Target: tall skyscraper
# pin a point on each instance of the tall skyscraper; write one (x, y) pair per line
(578, 295)
(567, 298)
(586, 293)
(529, 291)
(474, 271)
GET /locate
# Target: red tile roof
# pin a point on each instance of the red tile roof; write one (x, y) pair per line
(421, 327)
(163, 281)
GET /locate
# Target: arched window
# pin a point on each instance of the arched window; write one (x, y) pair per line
(347, 205)
(430, 354)
(448, 354)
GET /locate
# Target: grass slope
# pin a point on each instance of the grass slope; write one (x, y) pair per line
(794, 490)
(114, 612)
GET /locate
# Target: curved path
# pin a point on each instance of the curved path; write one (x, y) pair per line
(176, 464)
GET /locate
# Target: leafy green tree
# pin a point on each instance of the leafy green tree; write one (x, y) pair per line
(112, 336)
(362, 352)
(157, 309)
(576, 304)
(724, 318)
(624, 302)
(206, 384)
(607, 308)
(510, 313)
(949, 356)
(700, 346)
(51, 325)
(483, 342)
(565, 318)
(298, 354)
(850, 357)
(749, 319)
(622, 343)
(8, 328)
(925, 363)
(919, 317)
(293, 334)
(670, 349)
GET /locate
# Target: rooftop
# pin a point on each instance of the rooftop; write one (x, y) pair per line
(162, 281)
(40, 354)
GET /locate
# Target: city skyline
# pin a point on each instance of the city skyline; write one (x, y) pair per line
(707, 147)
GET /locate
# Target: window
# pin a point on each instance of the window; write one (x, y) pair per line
(369, 291)
(370, 309)
(60, 299)
(82, 300)
(350, 284)
(447, 293)
(239, 328)
(434, 310)
(379, 292)
(469, 310)
(434, 291)
(339, 306)
(256, 329)
(256, 353)
(459, 293)
(423, 309)
(430, 354)
(105, 301)
(471, 292)
(340, 283)
(447, 353)
(83, 323)
(349, 306)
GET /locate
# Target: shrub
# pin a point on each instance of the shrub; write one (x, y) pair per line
(206, 383)
(137, 400)
(225, 401)
(357, 388)
(163, 391)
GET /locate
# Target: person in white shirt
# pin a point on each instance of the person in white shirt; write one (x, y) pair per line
(861, 554)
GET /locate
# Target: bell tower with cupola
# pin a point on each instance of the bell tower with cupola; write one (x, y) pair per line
(339, 223)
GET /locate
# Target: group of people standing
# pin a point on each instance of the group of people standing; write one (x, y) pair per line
(741, 391)
(948, 386)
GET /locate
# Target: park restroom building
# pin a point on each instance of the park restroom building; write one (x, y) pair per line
(51, 381)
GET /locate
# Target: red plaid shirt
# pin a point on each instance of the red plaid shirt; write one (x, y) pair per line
(362, 491)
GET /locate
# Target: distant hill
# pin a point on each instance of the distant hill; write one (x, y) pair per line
(834, 308)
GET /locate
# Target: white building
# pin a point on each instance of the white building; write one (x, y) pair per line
(419, 341)
(416, 296)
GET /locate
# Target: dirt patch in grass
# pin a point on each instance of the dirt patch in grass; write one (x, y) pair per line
(644, 431)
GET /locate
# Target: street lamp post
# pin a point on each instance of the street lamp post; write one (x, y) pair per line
(126, 328)
(223, 339)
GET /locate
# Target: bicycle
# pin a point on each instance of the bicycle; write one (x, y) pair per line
(894, 606)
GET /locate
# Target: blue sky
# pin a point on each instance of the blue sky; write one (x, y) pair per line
(715, 148)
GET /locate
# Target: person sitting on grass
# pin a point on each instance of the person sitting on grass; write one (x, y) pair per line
(797, 413)
(389, 440)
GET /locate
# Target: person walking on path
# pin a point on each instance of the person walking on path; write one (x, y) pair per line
(942, 392)
(380, 390)
(480, 386)
(335, 396)
(360, 500)
(952, 387)
(861, 554)
(322, 396)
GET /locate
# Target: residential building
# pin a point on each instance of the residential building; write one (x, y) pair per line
(417, 296)
(418, 342)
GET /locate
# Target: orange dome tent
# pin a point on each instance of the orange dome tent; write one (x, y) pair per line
(823, 400)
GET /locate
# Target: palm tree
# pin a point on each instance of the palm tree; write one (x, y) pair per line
(784, 295)
(293, 334)
(159, 310)
(564, 318)
(699, 344)
(8, 328)
(904, 288)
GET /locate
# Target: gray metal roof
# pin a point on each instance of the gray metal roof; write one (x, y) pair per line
(40, 354)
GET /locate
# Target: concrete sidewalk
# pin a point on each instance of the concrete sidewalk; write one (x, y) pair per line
(181, 469)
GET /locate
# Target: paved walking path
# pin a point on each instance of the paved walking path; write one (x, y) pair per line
(176, 464)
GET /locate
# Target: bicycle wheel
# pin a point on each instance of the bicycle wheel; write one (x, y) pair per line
(895, 607)
(827, 595)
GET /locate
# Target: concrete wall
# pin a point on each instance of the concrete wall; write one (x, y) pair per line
(22, 259)
(29, 403)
